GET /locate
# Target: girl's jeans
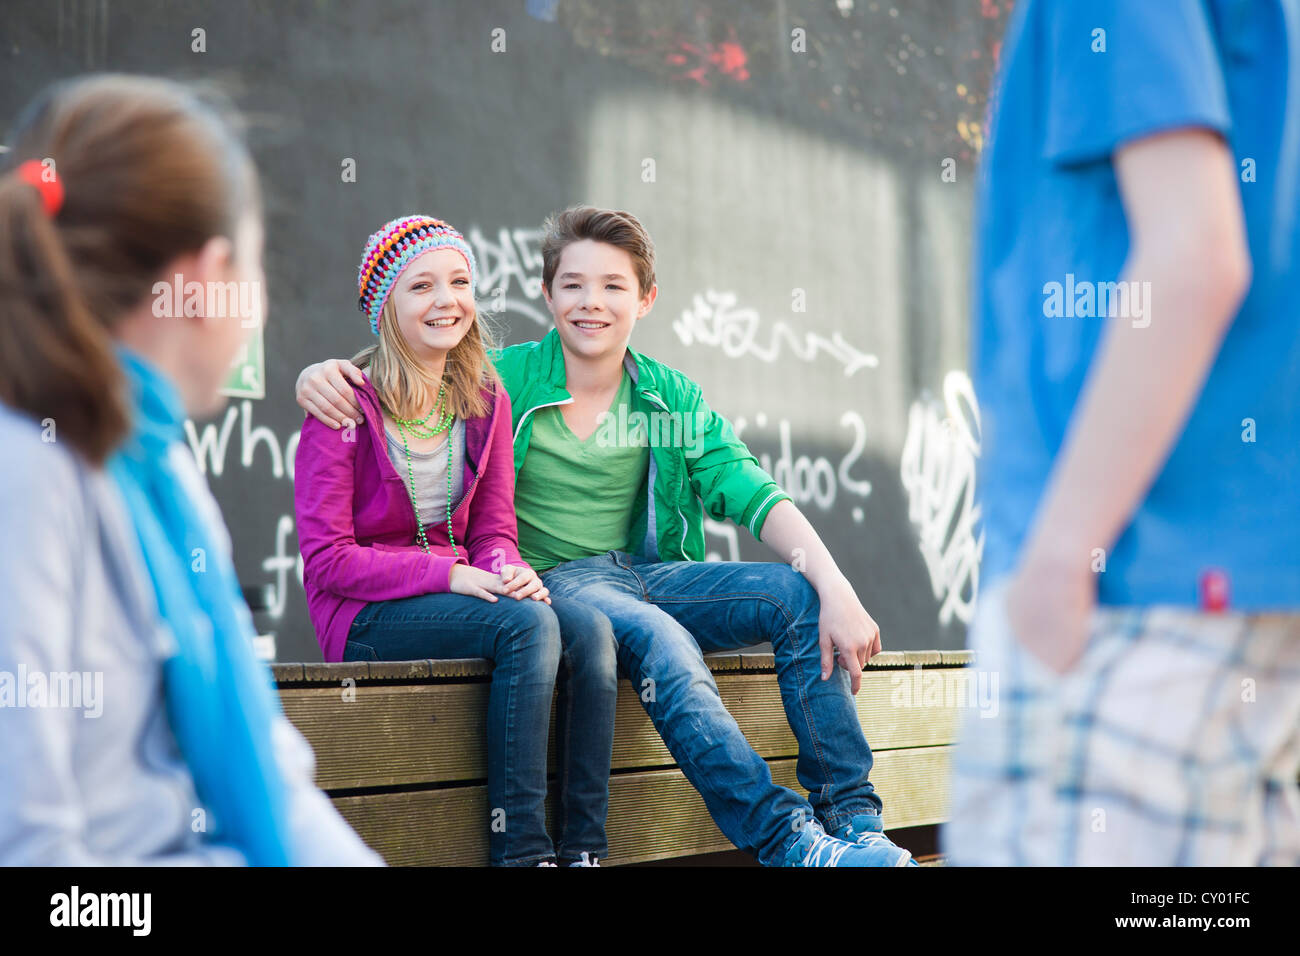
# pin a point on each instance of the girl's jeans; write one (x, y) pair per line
(523, 639)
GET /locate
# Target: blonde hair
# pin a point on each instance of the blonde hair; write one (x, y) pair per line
(407, 389)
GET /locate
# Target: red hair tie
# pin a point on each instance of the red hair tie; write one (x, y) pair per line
(50, 188)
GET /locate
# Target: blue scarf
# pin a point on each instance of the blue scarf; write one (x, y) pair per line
(219, 697)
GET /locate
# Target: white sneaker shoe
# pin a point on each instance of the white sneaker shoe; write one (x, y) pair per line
(588, 859)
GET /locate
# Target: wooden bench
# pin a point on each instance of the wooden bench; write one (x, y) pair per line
(400, 750)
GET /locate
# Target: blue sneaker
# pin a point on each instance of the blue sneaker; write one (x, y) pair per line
(816, 847)
(867, 829)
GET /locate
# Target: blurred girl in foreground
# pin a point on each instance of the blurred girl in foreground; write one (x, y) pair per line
(141, 729)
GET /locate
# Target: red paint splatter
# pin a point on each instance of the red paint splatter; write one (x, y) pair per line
(731, 59)
(727, 57)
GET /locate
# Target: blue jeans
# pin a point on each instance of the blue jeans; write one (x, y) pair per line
(526, 640)
(665, 615)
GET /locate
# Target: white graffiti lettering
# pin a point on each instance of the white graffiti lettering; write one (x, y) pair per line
(814, 480)
(714, 320)
(938, 474)
(514, 259)
(280, 564)
(211, 444)
(211, 447)
(729, 542)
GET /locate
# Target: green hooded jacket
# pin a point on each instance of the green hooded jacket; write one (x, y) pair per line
(697, 463)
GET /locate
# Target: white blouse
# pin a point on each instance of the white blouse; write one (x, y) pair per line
(90, 772)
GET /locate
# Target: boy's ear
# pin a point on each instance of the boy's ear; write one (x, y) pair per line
(648, 301)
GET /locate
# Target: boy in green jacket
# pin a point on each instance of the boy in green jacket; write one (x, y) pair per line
(617, 456)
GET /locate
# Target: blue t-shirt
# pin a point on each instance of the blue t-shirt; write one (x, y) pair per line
(1049, 211)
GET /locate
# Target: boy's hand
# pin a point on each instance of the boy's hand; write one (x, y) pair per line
(845, 625)
(522, 582)
(323, 390)
(1048, 607)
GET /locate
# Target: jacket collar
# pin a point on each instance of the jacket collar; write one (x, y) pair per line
(551, 360)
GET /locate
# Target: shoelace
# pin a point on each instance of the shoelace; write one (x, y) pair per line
(826, 844)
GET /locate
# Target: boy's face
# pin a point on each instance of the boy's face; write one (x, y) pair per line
(595, 300)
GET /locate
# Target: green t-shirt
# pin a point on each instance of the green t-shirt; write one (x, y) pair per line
(576, 498)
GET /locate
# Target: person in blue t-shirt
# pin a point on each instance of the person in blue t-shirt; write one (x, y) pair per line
(1137, 362)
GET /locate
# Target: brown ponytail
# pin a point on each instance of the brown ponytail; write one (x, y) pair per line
(151, 170)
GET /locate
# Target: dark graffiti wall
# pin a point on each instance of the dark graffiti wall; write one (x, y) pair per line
(805, 169)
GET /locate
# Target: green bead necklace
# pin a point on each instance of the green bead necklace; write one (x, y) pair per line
(419, 428)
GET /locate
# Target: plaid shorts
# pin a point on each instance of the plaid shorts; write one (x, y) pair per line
(1175, 741)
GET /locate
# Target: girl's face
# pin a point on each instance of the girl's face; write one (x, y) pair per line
(595, 299)
(433, 303)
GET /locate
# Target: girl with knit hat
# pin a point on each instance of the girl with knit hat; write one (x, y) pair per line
(407, 529)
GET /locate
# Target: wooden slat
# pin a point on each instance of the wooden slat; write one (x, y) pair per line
(477, 667)
(336, 672)
(719, 663)
(400, 670)
(653, 814)
(392, 735)
(361, 671)
(397, 735)
(916, 707)
(285, 673)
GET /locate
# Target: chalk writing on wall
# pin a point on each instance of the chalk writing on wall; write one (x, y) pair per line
(728, 543)
(211, 447)
(713, 319)
(510, 273)
(813, 480)
(938, 474)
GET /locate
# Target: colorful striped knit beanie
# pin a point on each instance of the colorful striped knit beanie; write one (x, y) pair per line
(394, 247)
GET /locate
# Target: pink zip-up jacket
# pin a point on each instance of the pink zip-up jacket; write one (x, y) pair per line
(356, 526)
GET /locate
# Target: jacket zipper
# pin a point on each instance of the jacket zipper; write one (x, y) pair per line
(524, 418)
(685, 527)
(464, 497)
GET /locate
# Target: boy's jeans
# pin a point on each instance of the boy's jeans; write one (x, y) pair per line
(664, 615)
(523, 640)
